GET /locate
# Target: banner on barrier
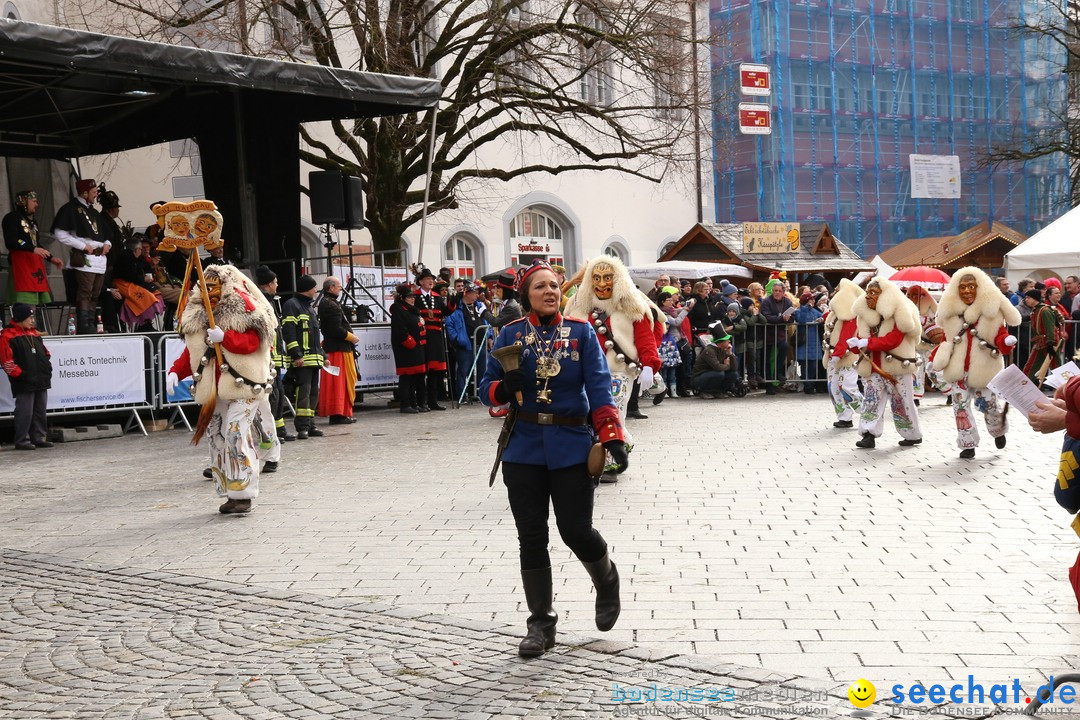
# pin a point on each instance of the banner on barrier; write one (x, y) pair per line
(90, 372)
(376, 356)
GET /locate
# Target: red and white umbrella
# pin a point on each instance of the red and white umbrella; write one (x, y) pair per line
(925, 277)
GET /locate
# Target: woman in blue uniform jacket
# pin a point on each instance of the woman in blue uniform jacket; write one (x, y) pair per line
(545, 458)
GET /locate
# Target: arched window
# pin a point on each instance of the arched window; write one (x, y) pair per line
(535, 235)
(11, 12)
(667, 246)
(616, 248)
(460, 254)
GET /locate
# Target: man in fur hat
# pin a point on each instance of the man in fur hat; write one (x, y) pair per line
(973, 314)
(886, 333)
(621, 316)
(839, 360)
(234, 392)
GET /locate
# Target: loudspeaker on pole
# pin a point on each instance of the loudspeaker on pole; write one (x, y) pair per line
(336, 200)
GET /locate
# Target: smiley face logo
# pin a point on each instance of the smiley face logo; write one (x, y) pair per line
(862, 693)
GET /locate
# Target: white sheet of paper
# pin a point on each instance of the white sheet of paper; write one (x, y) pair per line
(1015, 387)
(332, 370)
(1061, 375)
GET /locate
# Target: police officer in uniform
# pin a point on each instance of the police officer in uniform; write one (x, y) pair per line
(565, 396)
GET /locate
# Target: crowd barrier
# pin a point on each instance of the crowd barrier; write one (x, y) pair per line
(126, 372)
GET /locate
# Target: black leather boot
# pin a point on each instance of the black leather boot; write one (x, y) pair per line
(85, 323)
(605, 579)
(407, 395)
(540, 636)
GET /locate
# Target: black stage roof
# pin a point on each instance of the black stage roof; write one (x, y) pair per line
(66, 93)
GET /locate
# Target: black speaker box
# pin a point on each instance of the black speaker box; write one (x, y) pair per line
(336, 200)
(327, 198)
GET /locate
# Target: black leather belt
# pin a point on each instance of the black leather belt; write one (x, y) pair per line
(551, 419)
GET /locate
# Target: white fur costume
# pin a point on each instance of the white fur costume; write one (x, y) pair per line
(620, 320)
(972, 353)
(894, 317)
(840, 373)
(241, 433)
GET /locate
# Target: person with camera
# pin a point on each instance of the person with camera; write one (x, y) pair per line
(560, 396)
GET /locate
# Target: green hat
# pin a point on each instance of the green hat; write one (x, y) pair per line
(670, 290)
(722, 338)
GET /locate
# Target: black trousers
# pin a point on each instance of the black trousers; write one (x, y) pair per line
(570, 491)
(277, 401)
(30, 416)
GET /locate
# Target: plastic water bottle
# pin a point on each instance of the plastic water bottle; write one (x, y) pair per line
(100, 325)
(71, 324)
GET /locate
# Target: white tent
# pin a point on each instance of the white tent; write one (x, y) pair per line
(883, 268)
(1053, 251)
(645, 275)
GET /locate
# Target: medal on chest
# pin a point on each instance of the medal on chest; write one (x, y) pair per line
(547, 364)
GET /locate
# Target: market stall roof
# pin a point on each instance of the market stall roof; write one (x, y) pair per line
(818, 250)
(67, 93)
(1052, 251)
(984, 245)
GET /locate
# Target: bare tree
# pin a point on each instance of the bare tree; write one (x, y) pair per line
(1051, 31)
(564, 84)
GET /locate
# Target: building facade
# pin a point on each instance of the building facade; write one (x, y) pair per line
(857, 87)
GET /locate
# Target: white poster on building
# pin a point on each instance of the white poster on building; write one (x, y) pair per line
(376, 361)
(935, 176)
(90, 372)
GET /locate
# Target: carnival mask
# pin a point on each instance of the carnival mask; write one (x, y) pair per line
(213, 290)
(968, 289)
(873, 292)
(603, 281)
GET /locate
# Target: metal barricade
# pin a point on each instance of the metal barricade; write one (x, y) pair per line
(481, 337)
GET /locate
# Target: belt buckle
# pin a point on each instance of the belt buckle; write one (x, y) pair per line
(545, 419)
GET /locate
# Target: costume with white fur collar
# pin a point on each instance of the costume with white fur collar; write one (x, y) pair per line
(974, 334)
(837, 327)
(893, 312)
(625, 315)
(241, 308)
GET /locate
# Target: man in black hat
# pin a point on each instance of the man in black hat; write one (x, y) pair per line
(79, 226)
(300, 330)
(267, 281)
(432, 310)
(25, 359)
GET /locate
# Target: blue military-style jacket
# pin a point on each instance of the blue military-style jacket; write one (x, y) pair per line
(581, 389)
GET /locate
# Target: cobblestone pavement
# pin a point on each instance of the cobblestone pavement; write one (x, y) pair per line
(80, 640)
(748, 532)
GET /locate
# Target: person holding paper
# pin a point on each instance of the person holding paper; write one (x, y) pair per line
(887, 332)
(777, 310)
(974, 315)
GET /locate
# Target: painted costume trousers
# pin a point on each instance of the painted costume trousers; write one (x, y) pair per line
(241, 436)
(879, 392)
(844, 389)
(622, 387)
(966, 400)
(569, 490)
(926, 375)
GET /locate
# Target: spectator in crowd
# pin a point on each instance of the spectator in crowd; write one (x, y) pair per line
(1023, 333)
(407, 337)
(670, 357)
(701, 309)
(658, 287)
(28, 280)
(808, 342)
(79, 226)
(337, 392)
(508, 307)
(303, 343)
(735, 325)
(839, 358)
(1003, 285)
(461, 329)
(216, 256)
(267, 281)
(778, 310)
(133, 277)
(1072, 294)
(25, 359)
(754, 342)
(888, 329)
(1047, 337)
(974, 312)
(716, 370)
(686, 291)
(111, 299)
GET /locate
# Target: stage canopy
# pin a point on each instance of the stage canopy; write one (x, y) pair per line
(68, 93)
